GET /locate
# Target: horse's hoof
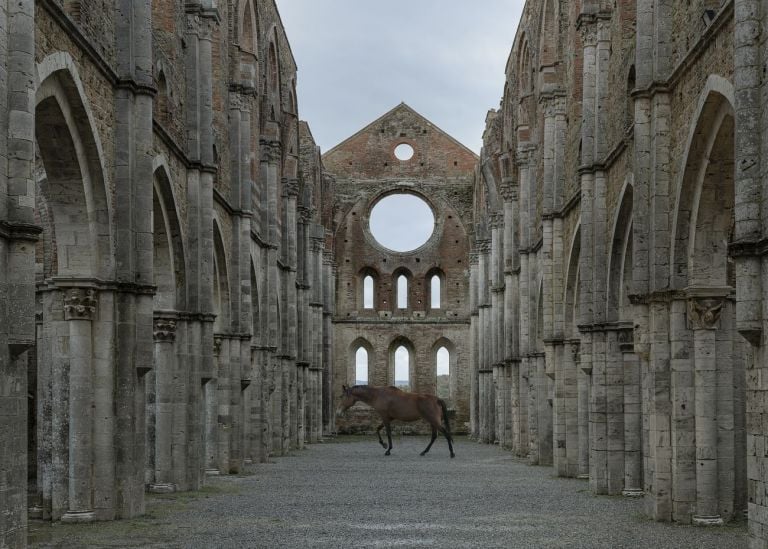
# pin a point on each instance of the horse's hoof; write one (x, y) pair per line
(386, 453)
(423, 454)
(383, 445)
(453, 456)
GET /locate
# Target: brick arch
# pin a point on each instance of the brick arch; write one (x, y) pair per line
(74, 183)
(256, 323)
(361, 276)
(548, 43)
(428, 281)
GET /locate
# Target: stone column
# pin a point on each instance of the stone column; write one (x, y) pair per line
(212, 413)
(703, 314)
(633, 435)
(79, 309)
(165, 367)
(474, 359)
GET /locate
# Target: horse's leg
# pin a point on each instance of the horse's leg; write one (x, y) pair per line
(434, 436)
(389, 438)
(448, 437)
(378, 432)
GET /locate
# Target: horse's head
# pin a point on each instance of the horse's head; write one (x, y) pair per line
(347, 400)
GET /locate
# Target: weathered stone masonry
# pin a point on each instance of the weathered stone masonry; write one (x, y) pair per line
(620, 184)
(165, 273)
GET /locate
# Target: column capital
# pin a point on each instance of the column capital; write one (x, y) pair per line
(164, 329)
(217, 345)
(704, 312)
(291, 186)
(271, 150)
(509, 191)
(79, 304)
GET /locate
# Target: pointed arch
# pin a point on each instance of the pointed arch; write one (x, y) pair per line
(248, 27)
(620, 262)
(367, 283)
(402, 367)
(74, 184)
(221, 299)
(703, 216)
(445, 368)
(256, 327)
(358, 366)
(401, 284)
(572, 284)
(436, 287)
(170, 259)
(548, 40)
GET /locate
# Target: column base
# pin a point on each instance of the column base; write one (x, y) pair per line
(583, 477)
(35, 512)
(212, 472)
(161, 488)
(713, 520)
(248, 461)
(632, 493)
(78, 516)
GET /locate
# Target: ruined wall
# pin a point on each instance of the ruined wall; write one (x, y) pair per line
(366, 170)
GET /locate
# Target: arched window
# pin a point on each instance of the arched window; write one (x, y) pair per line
(161, 99)
(368, 292)
(248, 36)
(631, 83)
(402, 368)
(443, 366)
(434, 287)
(273, 70)
(402, 292)
(361, 366)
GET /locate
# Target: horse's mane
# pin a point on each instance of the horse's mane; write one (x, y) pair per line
(395, 388)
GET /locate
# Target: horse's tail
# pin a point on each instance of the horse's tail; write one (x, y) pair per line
(445, 415)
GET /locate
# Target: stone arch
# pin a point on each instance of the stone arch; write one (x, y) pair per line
(704, 276)
(74, 184)
(620, 263)
(548, 43)
(572, 285)
(629, 118)
(394, 347)
(170, 259)
(700, 192)
(354, 347)
(221, 300)
(256, 327)
(272, 77)
(247, 31)
(538, 339)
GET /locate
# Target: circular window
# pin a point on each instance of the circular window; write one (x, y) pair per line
(404, 152)
(402, 222)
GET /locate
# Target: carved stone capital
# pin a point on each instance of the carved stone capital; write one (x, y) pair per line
(553, 106)
(271, 150)
(291, 186)
(216, 345)
(509, 191)
(704, 312)
(79, 304)
(164, 329)
(588, 31)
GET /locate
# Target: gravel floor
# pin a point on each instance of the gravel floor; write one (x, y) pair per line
(348, 494)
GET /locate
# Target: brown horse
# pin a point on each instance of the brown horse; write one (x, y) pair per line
(393, 404)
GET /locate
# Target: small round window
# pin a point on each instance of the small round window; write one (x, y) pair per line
(402, 222)
(404, 152)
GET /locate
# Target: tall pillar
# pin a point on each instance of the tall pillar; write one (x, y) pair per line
(474, 357)
(704, 314)
(79, 308)
(633, 435)
(163, 408)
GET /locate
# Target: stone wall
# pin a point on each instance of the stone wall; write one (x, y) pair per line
(440, 173)
(171, 317)
(621, 181)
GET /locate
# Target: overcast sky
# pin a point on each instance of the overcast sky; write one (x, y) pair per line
(358, 59)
